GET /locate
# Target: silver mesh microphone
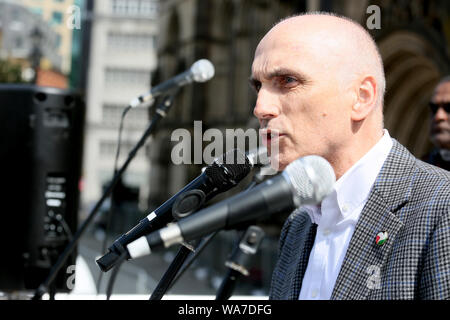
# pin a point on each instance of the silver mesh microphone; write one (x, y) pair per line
(201, 71)
(312, 179)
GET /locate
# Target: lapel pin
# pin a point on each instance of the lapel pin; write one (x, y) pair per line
(381, 238)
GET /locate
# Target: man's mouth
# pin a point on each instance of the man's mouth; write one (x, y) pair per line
(270, 135)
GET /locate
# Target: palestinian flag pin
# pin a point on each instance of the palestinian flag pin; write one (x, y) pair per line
(381, 238)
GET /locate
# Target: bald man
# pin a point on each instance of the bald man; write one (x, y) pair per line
(384, 231)
(440, 125)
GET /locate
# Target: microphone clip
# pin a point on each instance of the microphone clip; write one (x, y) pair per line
(188, 203)
(248, 246)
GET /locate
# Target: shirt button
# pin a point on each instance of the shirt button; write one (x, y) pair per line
(344, 208)
(314, 294)
(326, 232)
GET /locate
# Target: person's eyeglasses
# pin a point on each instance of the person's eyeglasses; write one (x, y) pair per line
(435, 106)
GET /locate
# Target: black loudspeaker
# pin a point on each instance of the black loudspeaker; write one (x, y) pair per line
(41, 143)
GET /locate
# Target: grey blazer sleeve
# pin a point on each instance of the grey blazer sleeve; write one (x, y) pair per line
(435, 276)
(296, 240)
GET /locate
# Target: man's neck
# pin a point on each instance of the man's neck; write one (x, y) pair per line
(353, 153)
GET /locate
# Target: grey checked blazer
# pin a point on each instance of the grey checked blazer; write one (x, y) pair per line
(410, 200)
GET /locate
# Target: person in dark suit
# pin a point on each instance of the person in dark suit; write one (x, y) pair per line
(440, 125)
(384, 230)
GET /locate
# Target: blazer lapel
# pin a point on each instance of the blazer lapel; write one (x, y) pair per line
(364, 260)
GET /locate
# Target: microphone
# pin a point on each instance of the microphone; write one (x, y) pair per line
(201, 71)
(220, 176)
(307, 180)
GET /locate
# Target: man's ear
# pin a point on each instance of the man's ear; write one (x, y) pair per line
(366, 96)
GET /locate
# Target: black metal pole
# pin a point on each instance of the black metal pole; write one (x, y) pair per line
(198, 250)
(227, 287)
(170, 273)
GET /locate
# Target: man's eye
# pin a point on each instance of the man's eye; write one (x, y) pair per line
(286, 80)
(256, 85)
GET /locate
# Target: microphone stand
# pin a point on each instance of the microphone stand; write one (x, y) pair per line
(203, 243)
(173, 273)
(240, 260)
(170, 273)
(180, 209)
(161, 112)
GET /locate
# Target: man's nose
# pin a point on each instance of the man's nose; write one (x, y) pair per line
(267, 105)
(441, 115)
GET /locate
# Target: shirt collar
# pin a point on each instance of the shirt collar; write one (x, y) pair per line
(353, 188)
(361, 176)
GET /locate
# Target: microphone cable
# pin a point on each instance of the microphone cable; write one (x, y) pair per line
(111, 198)
(123, 255)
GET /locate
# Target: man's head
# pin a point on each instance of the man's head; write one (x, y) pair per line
(440, 115)
(320, 84)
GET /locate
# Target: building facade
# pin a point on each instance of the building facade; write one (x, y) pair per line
(57, 13)
(18, 24)
(121, 59)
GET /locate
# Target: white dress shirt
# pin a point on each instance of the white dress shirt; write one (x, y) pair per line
(336, 220)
